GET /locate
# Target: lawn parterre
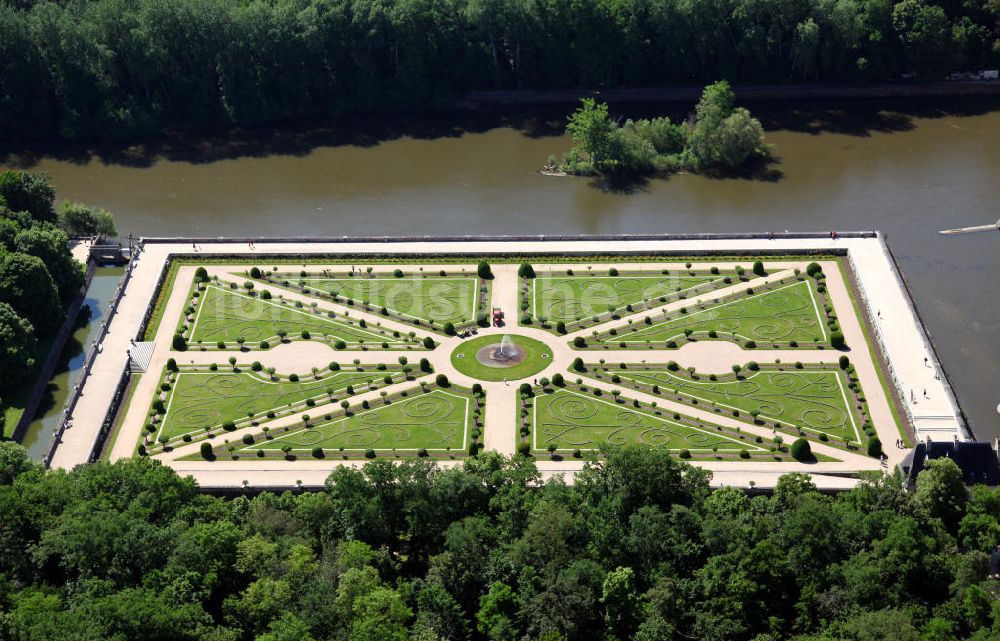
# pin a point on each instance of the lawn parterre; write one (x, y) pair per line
(819, 401)
(220, 313)
(436, 421)
(197, 399)
(558, 297)
(576, 420)
(782, 315)
(423, 299)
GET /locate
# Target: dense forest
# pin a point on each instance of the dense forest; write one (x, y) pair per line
(38, 275)
(639, 548)
(118, 68)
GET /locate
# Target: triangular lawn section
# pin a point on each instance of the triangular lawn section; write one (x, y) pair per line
(572, 298)
(782, 315)
(574, 420)
(226, 315)
(431, 299)
(815, 401)
(437, 421)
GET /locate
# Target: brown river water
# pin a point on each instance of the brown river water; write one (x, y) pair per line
(902, 167)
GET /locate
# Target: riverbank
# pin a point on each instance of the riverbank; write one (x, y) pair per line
(747, 93)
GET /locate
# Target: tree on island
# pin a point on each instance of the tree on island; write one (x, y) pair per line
(722, 137)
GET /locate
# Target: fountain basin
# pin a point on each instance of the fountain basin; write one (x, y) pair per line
(496, 358)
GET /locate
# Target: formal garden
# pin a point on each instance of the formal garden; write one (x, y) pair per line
(583, 362)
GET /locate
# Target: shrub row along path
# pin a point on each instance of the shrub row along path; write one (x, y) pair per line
(501, 413)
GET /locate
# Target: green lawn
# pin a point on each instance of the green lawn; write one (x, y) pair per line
(199, 399)
(816, 401)
(573, 420)
(441, 299)
(438, 420)
(788, 313)
(572, 298)
(225, 315)
(538, 356)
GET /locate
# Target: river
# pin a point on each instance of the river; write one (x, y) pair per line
(902, 167)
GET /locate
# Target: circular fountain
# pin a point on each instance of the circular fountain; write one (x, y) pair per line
(503, 354)
(511, 357)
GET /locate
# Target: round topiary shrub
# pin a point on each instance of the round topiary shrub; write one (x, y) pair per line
(293, 378)
(800, 450)
(369, 453)
(449, 328)
(526, 271)
(171, 365)
(758, 268)
(579, 342)
(201, 275)
(874, 447)
(317, 452)
(229, 426)
(441, 380)
(813, 268)
(179, 343)
(206, 452)
(255, 272)
(837, 340)
(685, 454)
(248, 439)
(844, 362)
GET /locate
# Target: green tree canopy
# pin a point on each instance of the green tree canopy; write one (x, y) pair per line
(27, 286)
(49, 244)
(82, 220)
(30, 192)
(17, 346)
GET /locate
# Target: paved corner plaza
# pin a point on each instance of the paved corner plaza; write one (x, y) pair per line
(266, 364)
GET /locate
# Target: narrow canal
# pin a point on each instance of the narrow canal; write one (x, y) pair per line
(68, 371)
